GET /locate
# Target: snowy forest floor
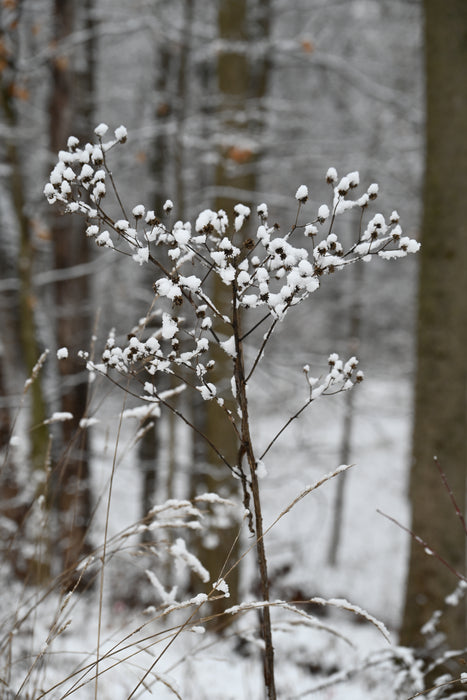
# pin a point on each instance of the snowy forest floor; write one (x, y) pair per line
(369, 573)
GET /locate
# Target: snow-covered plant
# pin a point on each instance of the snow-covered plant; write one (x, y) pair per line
(267, 273)
(37, 617)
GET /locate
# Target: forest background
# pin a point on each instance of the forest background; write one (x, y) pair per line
(225, 102)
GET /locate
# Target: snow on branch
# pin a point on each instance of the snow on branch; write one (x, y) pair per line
(340, 603)
(269, 272)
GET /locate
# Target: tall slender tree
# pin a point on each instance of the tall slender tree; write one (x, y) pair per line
(440, 393)
(19, 319)
(71, 105)
(11, 91)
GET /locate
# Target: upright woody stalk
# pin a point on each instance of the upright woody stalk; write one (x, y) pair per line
(248, 451)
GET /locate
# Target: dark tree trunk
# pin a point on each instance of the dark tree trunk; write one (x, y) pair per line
(19, 327)
(440, 392)
(30, 348)
(71, 113)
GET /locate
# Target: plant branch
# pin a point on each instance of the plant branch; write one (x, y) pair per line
(286, 425)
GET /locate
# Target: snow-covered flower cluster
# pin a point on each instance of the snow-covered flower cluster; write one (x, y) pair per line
(341, 377)
(81, 168)
(265, 271)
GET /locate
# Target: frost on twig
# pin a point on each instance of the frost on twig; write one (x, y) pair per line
(339, 603)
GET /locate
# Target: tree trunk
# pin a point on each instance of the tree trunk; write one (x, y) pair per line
(28, 333)
(241, 86)
(440, 392)
(70, 113)
(345, 451)
(13, 499)
(238, 81)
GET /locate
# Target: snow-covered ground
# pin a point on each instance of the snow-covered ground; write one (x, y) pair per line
(369, 574)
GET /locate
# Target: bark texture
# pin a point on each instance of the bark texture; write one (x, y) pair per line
(440, 394)
(70, 113)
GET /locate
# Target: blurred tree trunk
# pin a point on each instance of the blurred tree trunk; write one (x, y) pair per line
(152, 447)
(160, 152)
(71, 106)
(5, 423)
(149, 451)
(440, 391)
(354, 300)
(241, 85)
(181, 111)
(10, 92)
(18, 315)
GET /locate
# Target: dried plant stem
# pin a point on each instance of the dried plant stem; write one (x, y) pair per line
(247, 450)
(104, 552)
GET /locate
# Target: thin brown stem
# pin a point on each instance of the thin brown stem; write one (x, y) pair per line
(285, 426)
(180, 415)
(260, 351)
(253, 328)
(451, 494)
(422, 543)
(247, 448)
(114, 187)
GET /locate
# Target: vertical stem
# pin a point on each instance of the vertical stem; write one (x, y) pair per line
(247, 445)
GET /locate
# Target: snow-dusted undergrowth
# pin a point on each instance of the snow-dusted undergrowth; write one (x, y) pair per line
(267, 274)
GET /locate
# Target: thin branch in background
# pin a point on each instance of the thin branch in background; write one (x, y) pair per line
(429, 551)
(425, 545)
(451, 494)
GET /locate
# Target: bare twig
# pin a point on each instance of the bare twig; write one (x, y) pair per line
(451, 494)
(426, 546)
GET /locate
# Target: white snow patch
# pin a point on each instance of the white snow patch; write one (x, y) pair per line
(59, 417)
(302, 193)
